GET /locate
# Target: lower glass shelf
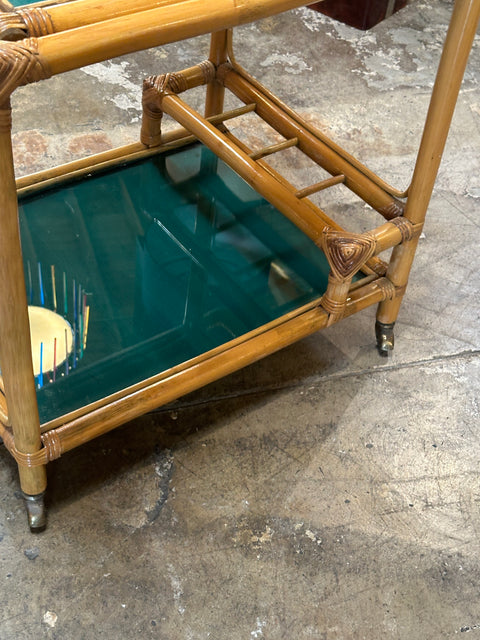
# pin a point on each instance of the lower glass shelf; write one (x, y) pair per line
(135, 270)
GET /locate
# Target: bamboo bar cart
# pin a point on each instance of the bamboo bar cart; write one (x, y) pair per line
(216, 263)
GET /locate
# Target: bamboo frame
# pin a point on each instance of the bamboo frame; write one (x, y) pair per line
(43, 18)
(83, 32)
(458, 43)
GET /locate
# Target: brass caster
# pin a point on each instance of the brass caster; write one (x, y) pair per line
(36, 513)
(385, 339)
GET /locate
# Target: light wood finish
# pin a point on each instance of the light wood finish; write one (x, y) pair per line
(218, 56)
(310, 144)
(171, 22)
(87, 32)
(458, 44)
(81, 427)
(113, 157)
(15, 350)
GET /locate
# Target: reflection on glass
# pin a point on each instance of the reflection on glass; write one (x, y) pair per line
(151, 264)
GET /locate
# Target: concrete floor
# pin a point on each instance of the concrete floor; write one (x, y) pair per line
(324, 492)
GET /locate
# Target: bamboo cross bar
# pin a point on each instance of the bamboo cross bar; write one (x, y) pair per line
(311, 220)
(274, 148)
(47, 19)
(169, 22)
(320, 186)
(311, 145)
(262, 181)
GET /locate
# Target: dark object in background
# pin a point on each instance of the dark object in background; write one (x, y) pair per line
(362, 14)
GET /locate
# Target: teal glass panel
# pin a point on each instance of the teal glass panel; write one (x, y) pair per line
(153, 263)
(20, 3)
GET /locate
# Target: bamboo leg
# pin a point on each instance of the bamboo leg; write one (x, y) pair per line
(463, 26)
(15, 349)
(215, 90)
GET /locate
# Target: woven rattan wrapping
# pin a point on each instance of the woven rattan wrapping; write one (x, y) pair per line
(20, 64)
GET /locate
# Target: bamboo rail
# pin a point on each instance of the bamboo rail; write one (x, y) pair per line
(85, 32)
(180, 137)
(60, 52)
(458, 43)
(46, 18)
(78, 428)
(310, 144)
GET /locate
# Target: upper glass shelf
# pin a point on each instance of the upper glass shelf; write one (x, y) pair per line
(138, 269)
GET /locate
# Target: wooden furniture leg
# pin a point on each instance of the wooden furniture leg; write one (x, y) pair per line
(215, 90)
(463, 26)
(15, 349)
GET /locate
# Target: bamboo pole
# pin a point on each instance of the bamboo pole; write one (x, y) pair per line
(311, 145)
(180, 137)
(215, 90)
(262, 181)
(311, 220)
(15, 349)
(80, 13)
(458, 43)
(169, 23)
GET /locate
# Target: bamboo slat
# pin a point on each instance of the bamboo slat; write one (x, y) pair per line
(274, 148)
(320, 186)
(311, 145)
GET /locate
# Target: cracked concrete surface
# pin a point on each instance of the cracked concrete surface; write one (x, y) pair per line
(321, 493)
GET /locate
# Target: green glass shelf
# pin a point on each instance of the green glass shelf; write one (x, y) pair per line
(21, 3)
(173, 256)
